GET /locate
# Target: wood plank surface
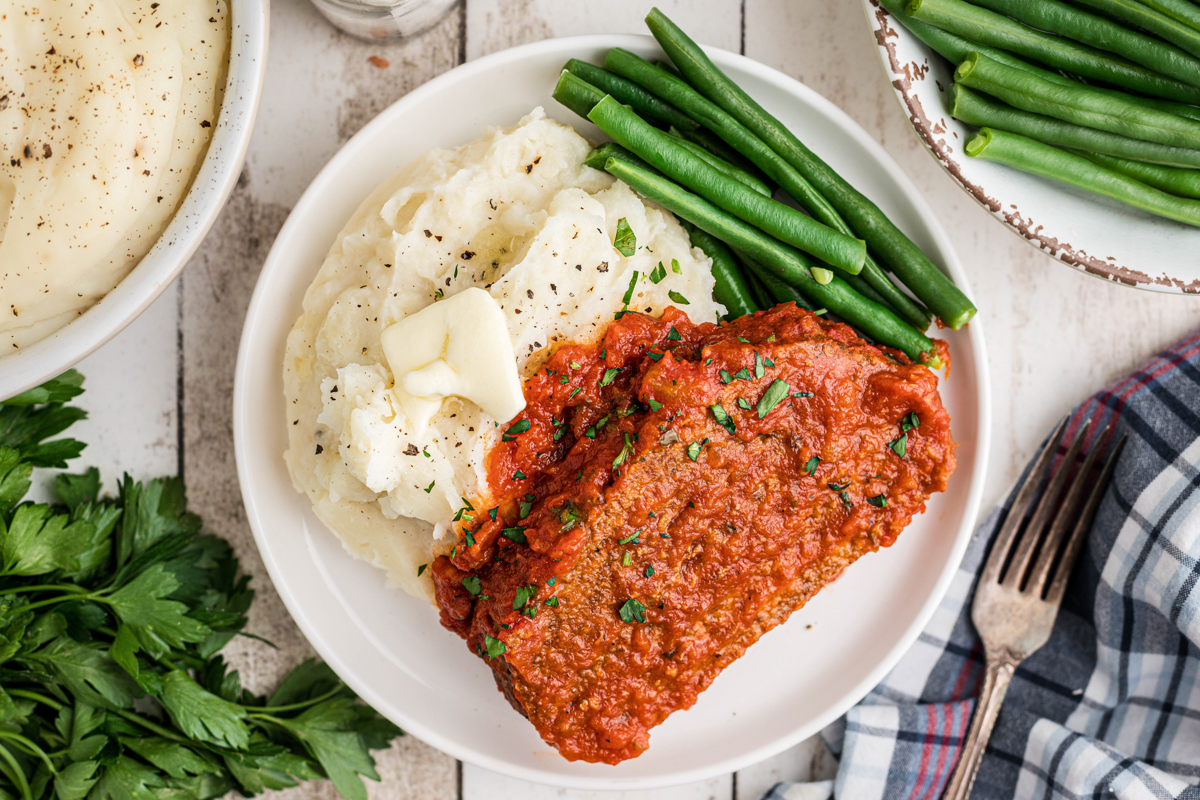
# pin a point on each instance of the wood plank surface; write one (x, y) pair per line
(160, 393)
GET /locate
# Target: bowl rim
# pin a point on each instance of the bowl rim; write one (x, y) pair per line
(244, 400)
(211, 186)
(886, 32)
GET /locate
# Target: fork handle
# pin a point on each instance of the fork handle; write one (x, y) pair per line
(995, 684)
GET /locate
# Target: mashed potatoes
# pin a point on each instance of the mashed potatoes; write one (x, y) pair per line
(515, 213)
(106, 108)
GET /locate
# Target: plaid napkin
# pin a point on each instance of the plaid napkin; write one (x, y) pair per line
(1110, 707)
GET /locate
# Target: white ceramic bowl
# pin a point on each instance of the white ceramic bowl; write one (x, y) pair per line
(1099, 236)
(215, 179)
(389, 646)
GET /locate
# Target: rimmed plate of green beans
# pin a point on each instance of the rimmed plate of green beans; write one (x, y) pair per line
(1075, 124)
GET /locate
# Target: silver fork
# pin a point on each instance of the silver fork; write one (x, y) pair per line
(1015, 606)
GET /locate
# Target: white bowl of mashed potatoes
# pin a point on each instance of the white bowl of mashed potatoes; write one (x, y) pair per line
(123, 128)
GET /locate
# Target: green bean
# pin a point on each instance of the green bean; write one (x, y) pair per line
(1172, 180)
(779, 291)
(666, 154)
(1076, 104)
(983, 26)
(1180, 10)
(784, 261)
(1058, 17)
(903, 257)
(984, 112)
(576, 93)
(955, 49)
(1034, 157)
(762, 295)
(702, 137)
(730, 288)
(714, 118)
(604, 152)
(1149, 19)
(646, 104)
(721, 165)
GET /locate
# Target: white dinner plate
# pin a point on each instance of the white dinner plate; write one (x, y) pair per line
(1091, 233)
(390, 647)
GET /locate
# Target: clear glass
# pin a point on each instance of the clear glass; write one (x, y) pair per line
(377, 20)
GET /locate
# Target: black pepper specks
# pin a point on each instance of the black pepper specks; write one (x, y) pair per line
(467, 255)
(320, 449)
(138, 60)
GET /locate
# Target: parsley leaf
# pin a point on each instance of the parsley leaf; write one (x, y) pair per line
(633, 611)
(774, 395)
(658, 273)
(678, 298)
(625, 241)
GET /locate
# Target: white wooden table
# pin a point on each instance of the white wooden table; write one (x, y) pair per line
(160, 394)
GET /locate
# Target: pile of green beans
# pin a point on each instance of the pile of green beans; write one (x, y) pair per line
(1135, 140)
(689, 139)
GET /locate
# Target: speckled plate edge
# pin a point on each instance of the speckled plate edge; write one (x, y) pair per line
(914, 84)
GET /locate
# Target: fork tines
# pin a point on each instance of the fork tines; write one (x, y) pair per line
(1024, 560)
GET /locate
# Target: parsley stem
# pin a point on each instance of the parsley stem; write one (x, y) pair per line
(166, 733)
(29, 748)
(47, 587)
(14, 772)
(52, 600)
(297, 706)
(40, 698)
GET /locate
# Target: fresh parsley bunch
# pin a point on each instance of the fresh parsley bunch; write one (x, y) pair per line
(112, 615)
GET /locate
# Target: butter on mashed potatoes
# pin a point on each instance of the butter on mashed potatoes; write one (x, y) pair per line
(106, 108)
(516, 213)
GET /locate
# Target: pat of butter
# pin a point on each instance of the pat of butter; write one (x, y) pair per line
(458, 346)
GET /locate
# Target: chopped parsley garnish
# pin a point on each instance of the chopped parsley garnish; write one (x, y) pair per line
(678, 298)
(558, 434)
(590, 432)
(655, 357)
(575, 391)
(568, 516)
(472, 585)
(515, 533)
(551, 582)
(628, 296)
(909, 422)
(626, 451)
(674, 335)
(631, 538)
(551, 601)
(626, 559)
(675, 267)
(743, 403)
(899, 445)
(564, 380)
(492, 512)
(429, 489)
(610, 375)
(625, 241)
(879, 501)
(802, 394)
(693, 450)
(743, 340)
(722, 417)
(771, 338)
(524, 595)
(518, 476)
(758, 366)
(633, 611)
(515, 430)
(768, 362)
(742, 374)
(526, 506)
(658, 273)
(772, 397)
(654, 404)
(726, 377)
(495, 647)
(574, 365)
(649, 570)
(468, 537)
(421, 569)
(810, 466)
(846, 499)
(838, 487)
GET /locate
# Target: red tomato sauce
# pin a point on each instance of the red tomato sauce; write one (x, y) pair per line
(670, 494)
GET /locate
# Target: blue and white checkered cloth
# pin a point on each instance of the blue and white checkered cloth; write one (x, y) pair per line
(1110, 707)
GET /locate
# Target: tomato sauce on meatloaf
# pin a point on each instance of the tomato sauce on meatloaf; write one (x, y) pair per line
(669, 495)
